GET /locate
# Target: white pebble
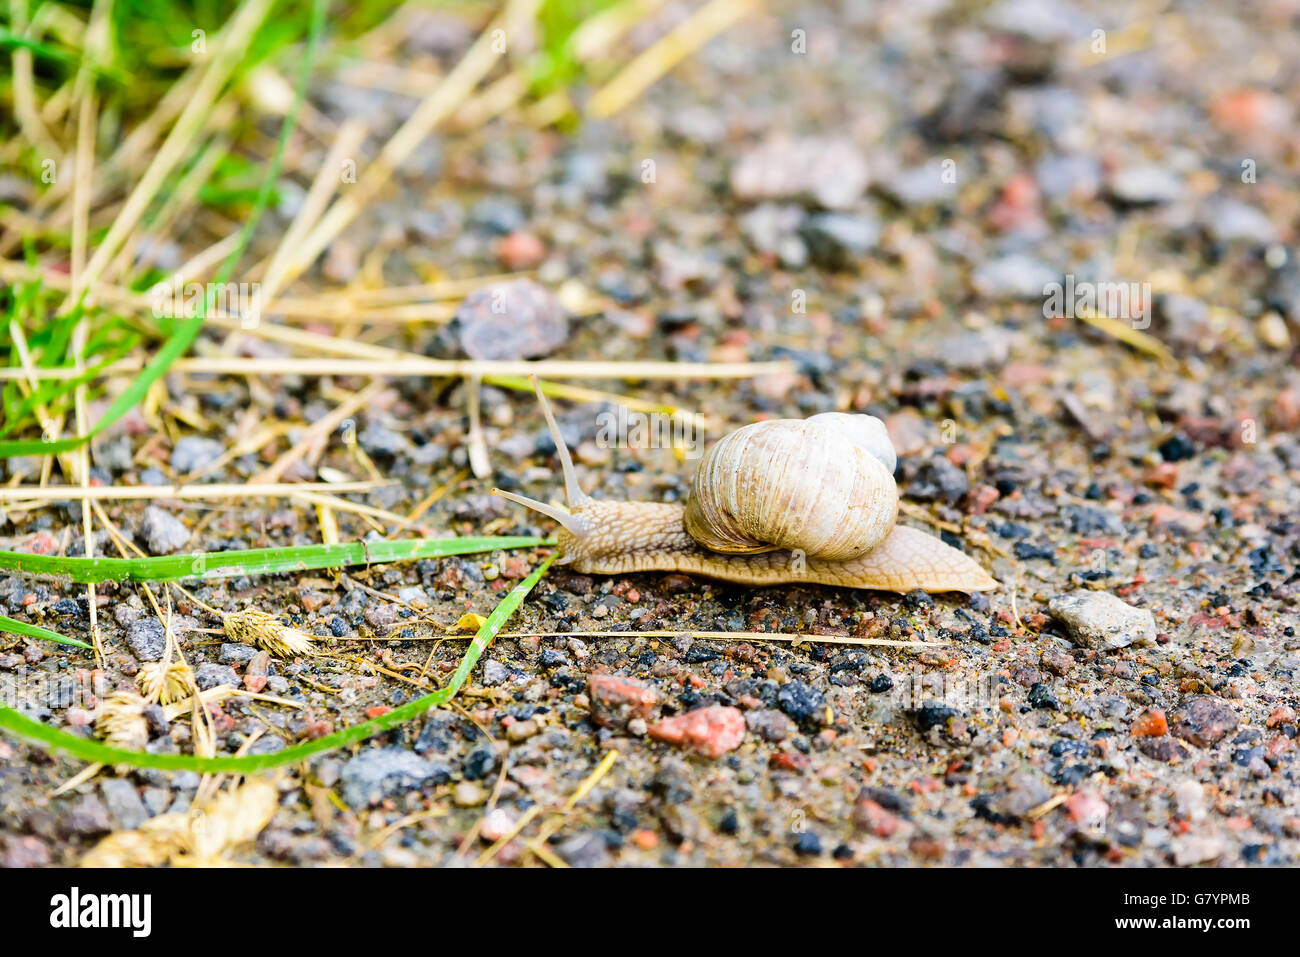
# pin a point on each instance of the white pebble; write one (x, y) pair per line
(1190, 798)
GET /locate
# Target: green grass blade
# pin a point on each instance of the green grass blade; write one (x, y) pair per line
(22, 726)
(52, 391)
(35, 631)
(256, 561)
(65, 58)
(188, 330)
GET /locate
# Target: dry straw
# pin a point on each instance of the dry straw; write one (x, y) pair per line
(267, 632)
(121, 722)
(199, 838)
(165, 681)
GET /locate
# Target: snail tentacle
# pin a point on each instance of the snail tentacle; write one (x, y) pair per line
(573, 492)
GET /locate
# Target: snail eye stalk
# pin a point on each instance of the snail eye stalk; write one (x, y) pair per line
(575, 525)
(572, 491)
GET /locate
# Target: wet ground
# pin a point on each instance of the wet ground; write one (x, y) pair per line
(943, 164)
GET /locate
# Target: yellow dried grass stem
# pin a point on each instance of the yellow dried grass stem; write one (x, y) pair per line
(435, 368)
(679, 43)
(788, 637)
(482, 55)
(230, 46)
(58, 493)
(315, 432)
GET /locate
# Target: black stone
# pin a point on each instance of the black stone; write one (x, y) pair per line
(802, 702)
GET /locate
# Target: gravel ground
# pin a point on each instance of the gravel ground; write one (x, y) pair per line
(1128, 696)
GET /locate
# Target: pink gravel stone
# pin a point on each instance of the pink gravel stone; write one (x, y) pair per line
(711, 731)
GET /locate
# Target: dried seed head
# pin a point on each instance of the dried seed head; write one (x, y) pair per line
(121, 722)
(165, 682)
(266, 631)
(126, 849)
(157, 841)
(198, 838)
(229, 819)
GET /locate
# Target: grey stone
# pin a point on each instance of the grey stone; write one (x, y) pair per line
(497, 216)
(1182, 320)
(87, 816)
(156, 717)
(412, 594)
(379, 772)
(163, 531)
(1284, 284)
(585, 850)
(210, 675)
(232, 653)
(480, 508)
(1023, 793)
(829, 172)
(494, 673)
(147, 638)
(697, 124)
(1087, 520)
(1204, 720)
(1068, 176)
(976, 351)
(378, 439)
(1098, 619)
(1189, 849)
(1043, 21)
(1015, 276)
(839, 240)
(156, 800)
(792, 252)
(1146, 184)
(939, 478)
(1228, 221)
(28, 851)
(124, 614)
(923, 185)
(124, 805)
(769, 724)
(768, 224)
(518, 319)
(194, 452)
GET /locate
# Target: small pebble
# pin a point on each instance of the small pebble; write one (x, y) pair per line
(1096, 619)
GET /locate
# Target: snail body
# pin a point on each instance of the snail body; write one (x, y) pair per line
(777, 502)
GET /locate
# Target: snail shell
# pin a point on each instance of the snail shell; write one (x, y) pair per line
(823, 485)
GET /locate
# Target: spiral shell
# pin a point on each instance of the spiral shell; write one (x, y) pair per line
(823, 485)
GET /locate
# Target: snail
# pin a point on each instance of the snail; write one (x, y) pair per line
(775, 502)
